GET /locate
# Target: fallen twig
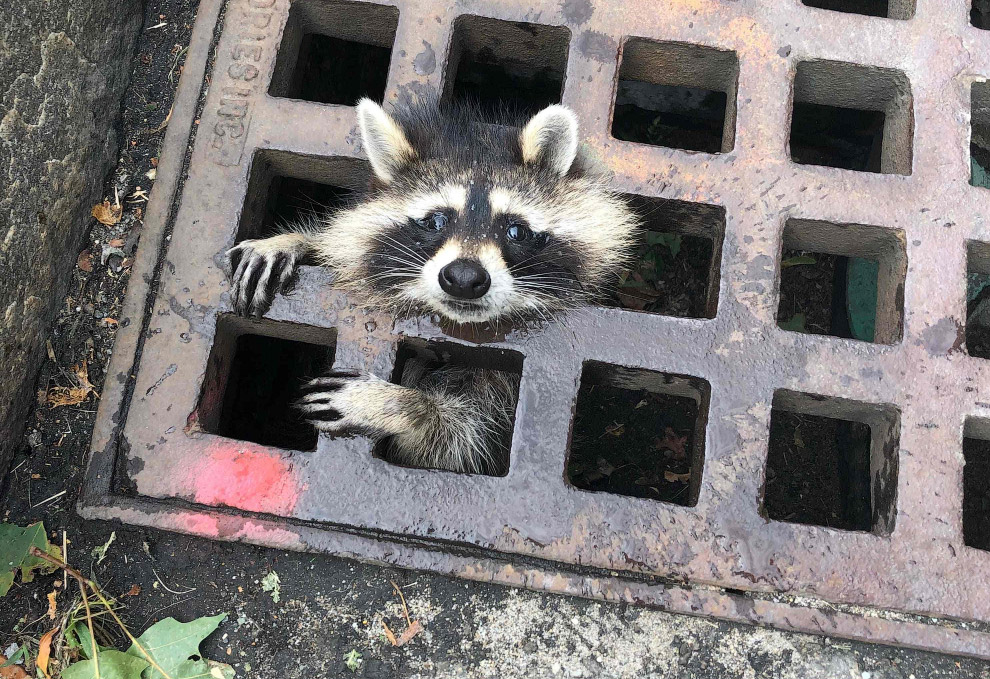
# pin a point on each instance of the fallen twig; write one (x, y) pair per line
(85, 582)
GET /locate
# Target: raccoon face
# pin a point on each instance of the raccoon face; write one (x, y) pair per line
(478, 222)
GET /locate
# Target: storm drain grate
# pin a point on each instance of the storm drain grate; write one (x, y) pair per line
(814, 476)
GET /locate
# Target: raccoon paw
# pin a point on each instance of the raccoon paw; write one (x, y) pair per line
(260, 268)
(333, 404)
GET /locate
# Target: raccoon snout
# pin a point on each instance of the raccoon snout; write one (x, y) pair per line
(465, 279)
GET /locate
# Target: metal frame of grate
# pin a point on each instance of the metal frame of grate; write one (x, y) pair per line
(911, 580)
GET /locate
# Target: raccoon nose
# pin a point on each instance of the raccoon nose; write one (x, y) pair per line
(465, 279)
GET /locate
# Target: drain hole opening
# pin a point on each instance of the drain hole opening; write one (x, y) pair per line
(851, 117)
(976, 485)
(831, 463)
(678, 259)
(842, 280)
(676, 95)
(286, 189)
(978, 300)
(979, 16)
(506, 65)
(639, 433)
(979, 145)
(466, 369)
(892, 9)
(255, 371)
(335, 52)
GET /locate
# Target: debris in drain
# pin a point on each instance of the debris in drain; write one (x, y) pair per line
(633, 442)
(818, 471)
(524, 78)
(873, 8)
(669, 276)
(687, 118)
(976, 493)
(827, 294)
(335, 71)
(980, 14)
(978, 315)
(849, 139)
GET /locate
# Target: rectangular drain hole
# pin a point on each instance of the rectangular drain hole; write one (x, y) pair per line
(842, 280)
(979, 16)
(676, 95)
(678, 260)
(287, 188)
(335, 52)
(639, 433)
(979, 144)
(417, 362)
(255, 371)
(976, 484)
(506, 65)
(832, 462)
(852, 117)
(978, 299)
(892, 9)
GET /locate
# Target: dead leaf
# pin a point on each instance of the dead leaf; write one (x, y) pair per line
(52, 604)
(133, 591)
(388, 633)
(74, 395)
(671, 477)
(411, 631)
(12, 672)
(85, 261)
(45, 651)
(616, 429)
(106, 213)
(116, 243)
(674, 443)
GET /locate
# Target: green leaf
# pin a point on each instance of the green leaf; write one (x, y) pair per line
(15, 553)
(670, 241)
(352, 660)
(18, 655)
(272, 584)
(100, 553)
(78, 637)
(172, 644)
(861, 297)
(113, 665)
(795, 323)
(797, 261)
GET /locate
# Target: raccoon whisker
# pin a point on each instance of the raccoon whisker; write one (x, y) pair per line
(548, 287)
(404, 265)
(542, 261)
(418, 256)
(402, 259)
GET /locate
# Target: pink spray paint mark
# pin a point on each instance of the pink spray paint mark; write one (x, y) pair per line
(255, 481)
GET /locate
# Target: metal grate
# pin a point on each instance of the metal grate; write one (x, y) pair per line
(897, 567)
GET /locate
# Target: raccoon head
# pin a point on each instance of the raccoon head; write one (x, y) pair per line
(477, 221)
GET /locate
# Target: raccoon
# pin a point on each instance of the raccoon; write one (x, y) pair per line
(478, 220)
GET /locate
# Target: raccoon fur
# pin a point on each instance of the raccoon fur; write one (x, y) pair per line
(476, 220)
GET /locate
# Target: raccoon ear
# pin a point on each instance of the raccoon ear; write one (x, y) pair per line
(384, 141)
(550, 138)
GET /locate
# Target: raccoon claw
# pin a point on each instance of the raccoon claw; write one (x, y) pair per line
(323, 400)
(257, 272)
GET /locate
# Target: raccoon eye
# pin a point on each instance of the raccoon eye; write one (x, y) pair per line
(518, 233)
(436, 221)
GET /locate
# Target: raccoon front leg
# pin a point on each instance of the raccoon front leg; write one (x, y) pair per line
(428, 426)
(260, 268)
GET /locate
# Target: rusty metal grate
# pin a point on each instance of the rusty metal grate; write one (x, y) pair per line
(906, 562)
